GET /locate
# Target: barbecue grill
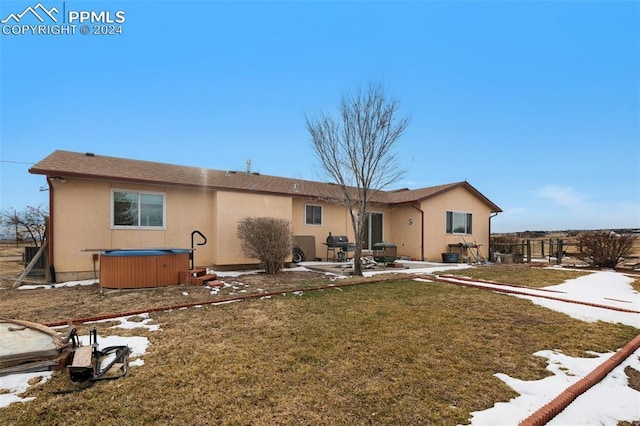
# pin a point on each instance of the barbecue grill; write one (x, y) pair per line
(340, 242)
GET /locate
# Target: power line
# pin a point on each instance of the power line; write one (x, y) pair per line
(15, 162)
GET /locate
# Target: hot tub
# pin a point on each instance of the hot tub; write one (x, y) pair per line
(142, 268)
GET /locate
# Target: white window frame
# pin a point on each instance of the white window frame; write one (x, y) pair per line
(449, 227)
(321, 215)
(131, 227)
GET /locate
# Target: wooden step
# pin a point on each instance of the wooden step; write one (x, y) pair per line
(202, 279)
(185, 276)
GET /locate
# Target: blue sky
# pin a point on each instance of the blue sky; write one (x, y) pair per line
(536, 104)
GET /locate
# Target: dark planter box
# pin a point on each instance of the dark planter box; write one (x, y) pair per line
(450, 257)
(385, 252)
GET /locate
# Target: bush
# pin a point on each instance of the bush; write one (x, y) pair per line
(605, 249)
(267, 239)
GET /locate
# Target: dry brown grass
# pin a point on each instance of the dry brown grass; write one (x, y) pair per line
(404, 352)
(633, 376)
(66, 303)
(520, 275)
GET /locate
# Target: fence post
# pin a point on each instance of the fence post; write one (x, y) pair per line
(559, 256)
(528, 251)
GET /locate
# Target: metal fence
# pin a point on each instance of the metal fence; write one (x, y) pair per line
(527, 249)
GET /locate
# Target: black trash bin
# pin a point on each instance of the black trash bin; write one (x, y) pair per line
(450, 257)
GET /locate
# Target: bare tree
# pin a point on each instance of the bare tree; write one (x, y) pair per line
(29, 223)
(356, 150)
(10, 224)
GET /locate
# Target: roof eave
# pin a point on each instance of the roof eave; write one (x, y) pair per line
(494, 208)
(84, 176)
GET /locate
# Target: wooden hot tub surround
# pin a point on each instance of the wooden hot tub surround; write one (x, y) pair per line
(142, 268)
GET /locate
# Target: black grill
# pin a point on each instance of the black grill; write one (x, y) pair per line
(337, 241)
(341, 244)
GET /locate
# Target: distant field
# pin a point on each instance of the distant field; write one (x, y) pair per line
(540, 244)
(11, 248)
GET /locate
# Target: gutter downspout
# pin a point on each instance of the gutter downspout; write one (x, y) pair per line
(417, 207)
(52, 273)
(494, 214)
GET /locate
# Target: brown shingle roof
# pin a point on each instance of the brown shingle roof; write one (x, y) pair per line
(99, 167)
(407, 196)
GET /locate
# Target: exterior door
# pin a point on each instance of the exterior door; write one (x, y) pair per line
(372, 230)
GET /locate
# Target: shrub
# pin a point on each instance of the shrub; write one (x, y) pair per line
(605, 249)
(267, 239)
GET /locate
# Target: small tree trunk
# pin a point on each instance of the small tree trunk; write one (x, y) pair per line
(357, 267)
(357, 221)
(357, 264)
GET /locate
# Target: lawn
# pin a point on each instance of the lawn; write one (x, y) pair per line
(526, 276)
(520, 275)
(401, 352)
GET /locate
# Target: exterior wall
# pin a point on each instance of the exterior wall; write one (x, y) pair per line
(404, 223)
(82, 224)
(78, 218)
(461, 200)
(231, 207)
(335, 219)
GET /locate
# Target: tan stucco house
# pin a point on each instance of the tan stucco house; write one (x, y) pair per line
(98, 202)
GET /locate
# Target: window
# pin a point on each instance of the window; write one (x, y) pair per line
(459, 223)
(133, 209)
(313, 215)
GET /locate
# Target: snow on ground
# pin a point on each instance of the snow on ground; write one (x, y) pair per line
(16, 384)
(419, 268)
(128, 322)
(58, 285)
(414, 267)
(606, 403)
(606, 288)
(232, 273)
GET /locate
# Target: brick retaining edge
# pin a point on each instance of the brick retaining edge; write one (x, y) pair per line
(547, 412)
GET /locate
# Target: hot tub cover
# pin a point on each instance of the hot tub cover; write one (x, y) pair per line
(143, 252)
(27, 346)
